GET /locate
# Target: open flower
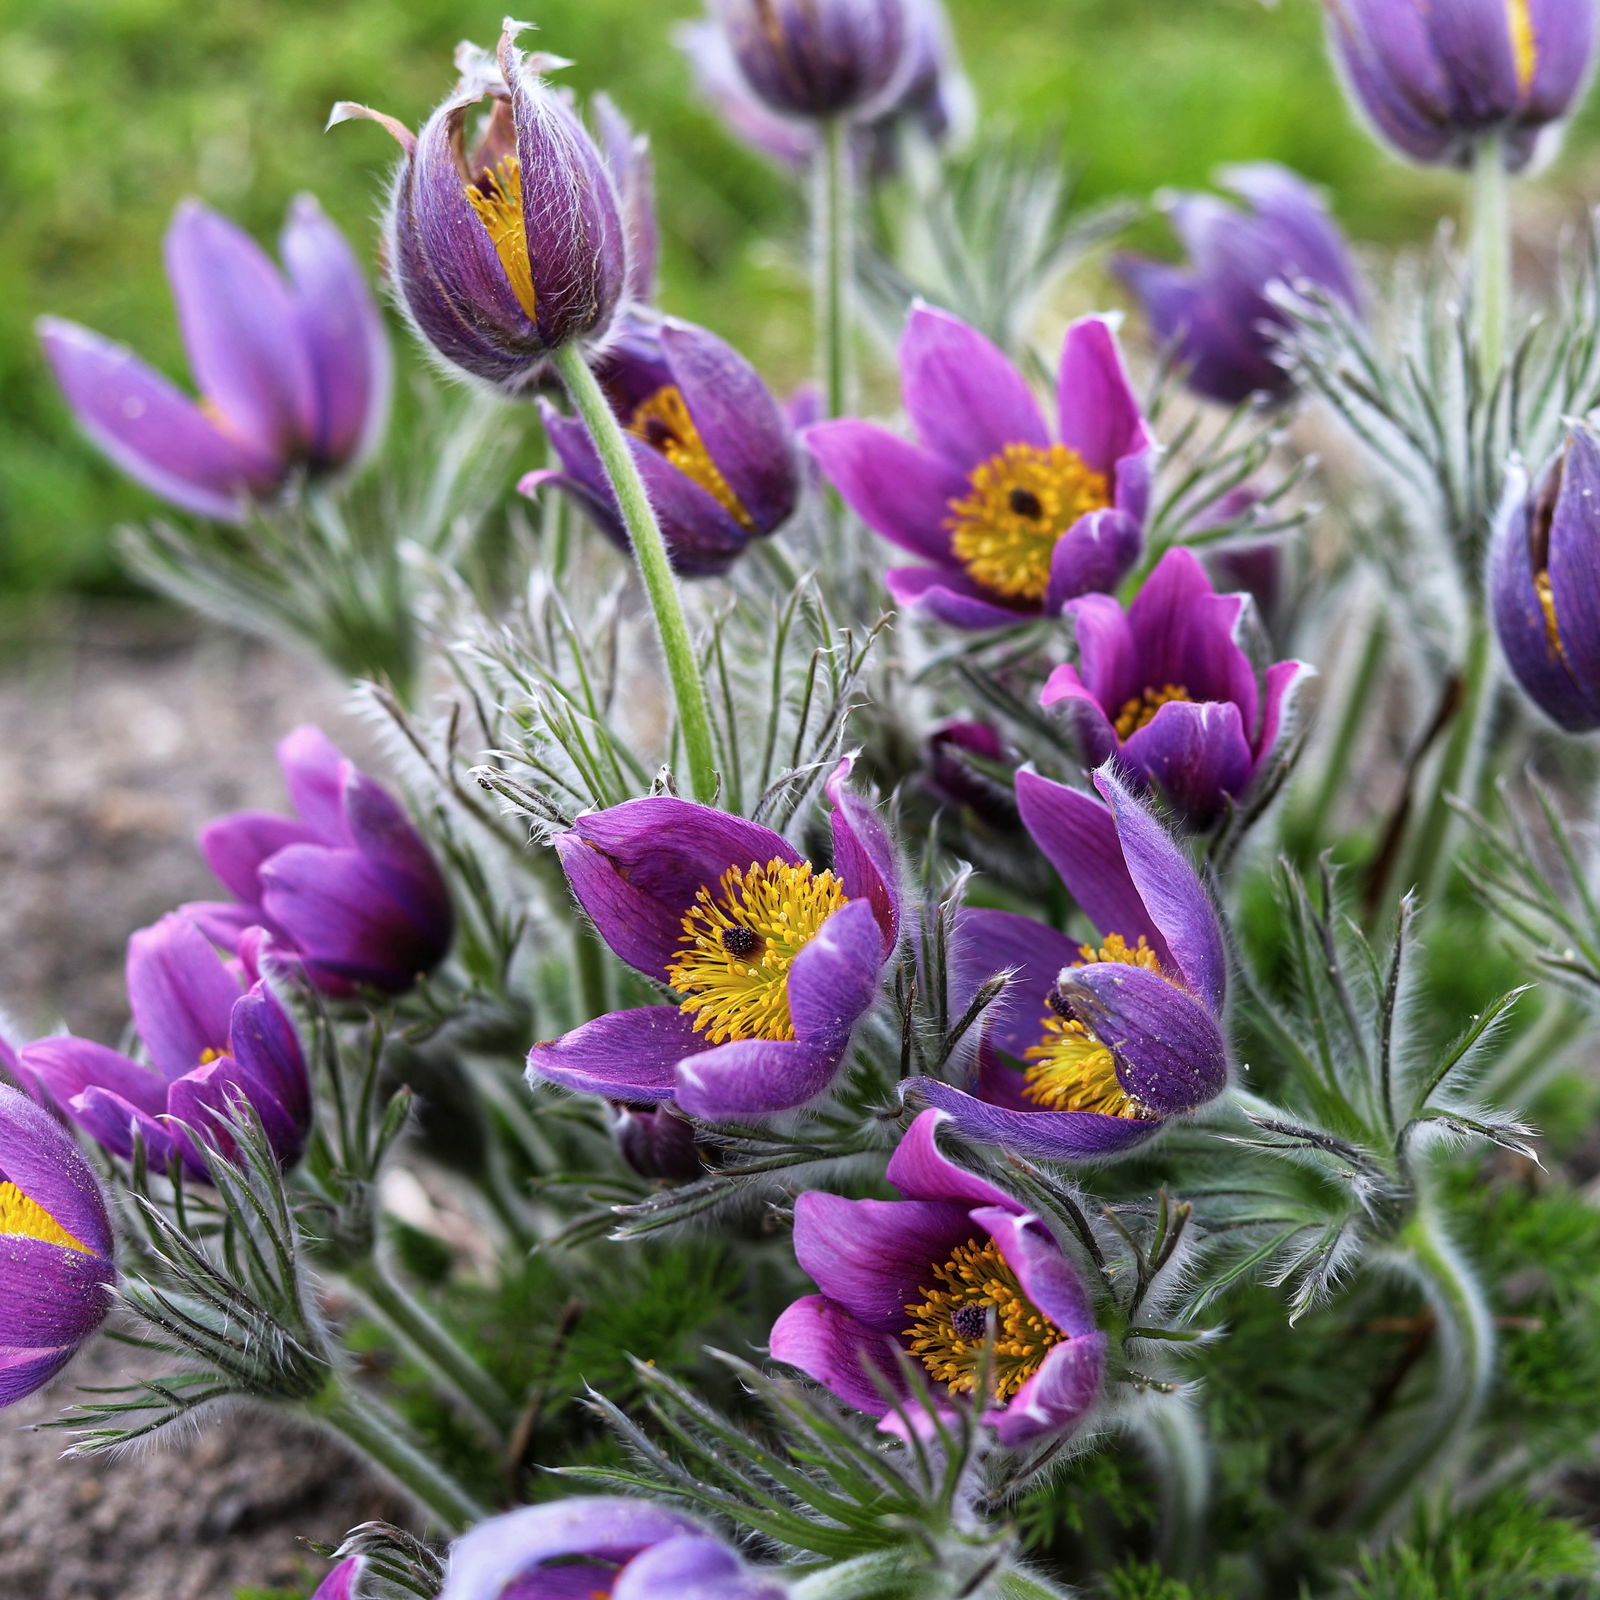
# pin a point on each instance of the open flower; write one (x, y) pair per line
(713, 446)
(55, 1245)
(935, 1275)
(1435, 79)
(1167, 689)
(1092, 1047)
(1544, 583)
(775, 961)
(212, 1034)
(292, 367)
(503, 253)
(598, 1547)
(1014, 522)
(1217, 312)
(347, 888)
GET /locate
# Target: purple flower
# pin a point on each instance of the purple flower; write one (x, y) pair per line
(212, 1036)
(930, 1275)
(656, 1142)
(1544, 583)
(340, 1583)
(1013, 522)
(774, 961)
(1434, 79)
(598, 1546)
(56, 1246)
(1091, 1048)
(1217, 312)
(818, 58)
(503, 254)
(712, 444)
(954, 779)
(1167, 689)
(347, 888)
(292, 367)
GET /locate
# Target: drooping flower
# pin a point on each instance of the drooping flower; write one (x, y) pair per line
(1217, 313)
(1014, 522)
(819, 58)
(347, 887)
(293, 367)
(714, 448)
(1544, 583)
(212, 1035)
(1167, 689)
(775, 961)
(56, 1247)
(599, 1547)
(936, 1274)
(502, 254)
(1435, 79)
(1092, 1047)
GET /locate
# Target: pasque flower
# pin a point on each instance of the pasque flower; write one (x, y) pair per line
(954, 1263)
(633, 171)
(774, 960)
(1167, 688)
(55, 1245)
(1544, 583)
(1218, 313)
(502, 252)
(347, 887)
(1091, 1047)
(292, 367)
(599, 1547)
(1013, 522)
(1434, 79)
(213, 1035)
(819, 58)
(713, 446)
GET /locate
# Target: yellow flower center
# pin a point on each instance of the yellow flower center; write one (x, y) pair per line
(1137, 711)
(1071, 1068)
(664, 423)
(24, 1218)
(1021, 501)
(1524, 41)
(950, 1325)
(740, 942)
(1547, 604)
(497, 198)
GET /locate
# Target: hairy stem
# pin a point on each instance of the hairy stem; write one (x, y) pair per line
(650, 552)
(1491, 254)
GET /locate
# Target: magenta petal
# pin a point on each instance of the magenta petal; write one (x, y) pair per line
(112, 1120)
(1041, 1135)
(1099, 415)
(266, 1049)
(43, 1162)
(50, 1294)
(1048, 1279)
(897, 488)
(940, 594)
(207, 1100)
(340, 1583)
(1197, 756)
(834, 978)
(1096, 553)
(1109, 664)
(223, 922)
(1059, 1395)
(752, 1077)
(624, 1055)
(314, 773)
(840, 1352)
(235, 845)
(966, 401)
(181, 994)
(22, 1372)
(1284, 681)
(863, 854)
(921, 1171)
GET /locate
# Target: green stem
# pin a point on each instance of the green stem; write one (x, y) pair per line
(834, 266)
(650, 551)
(1357, 713)
(385, 1440)
(416, 1328)
(1491, 254)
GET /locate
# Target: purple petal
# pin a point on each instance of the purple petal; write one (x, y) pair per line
(944, 595)
(22, 1372)
(987, 942)
(690, 1567)
(1575, 561)
(205, 1102)
(624, 1055)
(1095, 554)
(340, 1583)
(1197, 756)
(826, 1343)
(1108, 665)
(223, 922)
(150, 430)
(1036, 1133)
(1059, 1395)
(264, 1045)
(1184, 633)
(380, 829)
(1563, 56)
(921, 1171)
(834, 978)
(1048, 1279)
(1099, 414)
(62, 1067)
(235, 846)
(39, 1158)
(315, 774)
(754, 1077)
(863, 855)
(633, 171)
(181, 994)
(112, 1120)
(50, 1294)
(897, 488)
(966, 401)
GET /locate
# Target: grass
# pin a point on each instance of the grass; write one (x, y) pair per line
(111, 110)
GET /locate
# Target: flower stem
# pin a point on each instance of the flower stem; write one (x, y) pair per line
(834, 265)
(1357, 713)
(415, 1327)
(1491, 253)
(375, 1431)
(650, 551)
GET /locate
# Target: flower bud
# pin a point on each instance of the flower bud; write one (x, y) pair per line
(656, 1142)
(1544, 584)
(504, 252)
(1434, 79)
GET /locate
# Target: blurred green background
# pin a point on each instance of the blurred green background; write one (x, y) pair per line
(110, 110)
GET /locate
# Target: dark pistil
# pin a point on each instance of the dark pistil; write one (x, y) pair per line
(969, 1322)
(740, 943)
(1026, 504)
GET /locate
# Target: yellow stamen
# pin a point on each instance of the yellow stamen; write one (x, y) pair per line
(1021, 501)
(664, 423)
(24, 1218)
(1524, 41)
(1071, 1068)
(1141, 708)
(950, 1326)
(208, 1055)
(738, 946)
(498, 201)
(1547, 604)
